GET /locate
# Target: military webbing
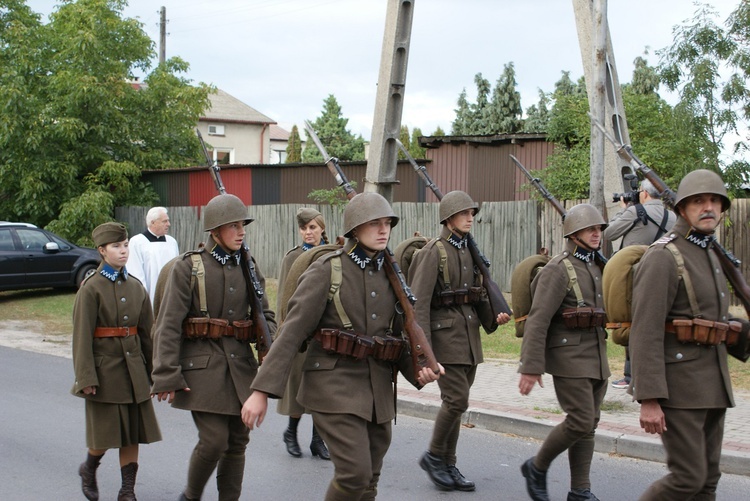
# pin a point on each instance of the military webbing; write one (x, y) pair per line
(573, 282)
(199, 273)
(685, 277)
(333, 291)
(443, 263)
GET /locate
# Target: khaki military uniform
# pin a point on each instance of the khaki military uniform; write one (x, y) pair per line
(690, 381)
(218, 373)
(575, 357)
(452, 331)
(351, 401)
(119, 367)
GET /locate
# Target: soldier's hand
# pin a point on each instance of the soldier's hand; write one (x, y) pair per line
(652, 417)
(527, 381)
(622, 203)
(167, 395)
(426, 375)
(89, 390)
(502, 318)
(254, 409)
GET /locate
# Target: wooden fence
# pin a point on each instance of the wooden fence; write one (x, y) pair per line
(506, 232)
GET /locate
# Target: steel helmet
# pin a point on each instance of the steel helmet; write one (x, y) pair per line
(582, 216)
(454, 202)
(702, 181)
(223, 209)
(366, 207)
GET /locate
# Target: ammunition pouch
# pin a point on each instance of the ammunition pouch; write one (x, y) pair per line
(360, 346)
(458, 297)
(216, 328)
(701, 331)
(583, 318)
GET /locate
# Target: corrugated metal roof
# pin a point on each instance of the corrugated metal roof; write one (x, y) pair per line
(228, 108)
(436, 141)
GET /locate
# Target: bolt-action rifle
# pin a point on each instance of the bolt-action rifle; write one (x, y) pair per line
(494, 294)
(729, 263)
(421, 351)
(537, 183)
(255, 291)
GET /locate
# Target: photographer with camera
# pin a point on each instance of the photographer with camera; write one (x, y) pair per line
(642, 220)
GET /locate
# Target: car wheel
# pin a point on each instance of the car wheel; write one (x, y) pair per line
(85, 271)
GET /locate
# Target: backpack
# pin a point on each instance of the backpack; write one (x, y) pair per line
(405, 251)
(617, 286)
(297, 269)
(520, 287)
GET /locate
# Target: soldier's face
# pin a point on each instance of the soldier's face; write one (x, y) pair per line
(702, 211)
(230, 236)
(311, 233)
(374, 234)
(462, 221)
(591, 237)
(115, 254)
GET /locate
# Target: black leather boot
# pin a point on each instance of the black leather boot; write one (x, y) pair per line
(581, 495)
(461, 482)
(437, 470)
(127, 491)
(292, 446)
(318, 447)
(536, 481)
(87, 471)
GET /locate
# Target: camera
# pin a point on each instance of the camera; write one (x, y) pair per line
(632, 196)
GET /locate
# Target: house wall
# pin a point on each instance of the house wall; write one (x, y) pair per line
(250, 143)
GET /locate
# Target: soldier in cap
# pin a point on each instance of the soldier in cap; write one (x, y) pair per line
(564, 336)
(679, 340)
(112, 361)
(203, 361)
(346, 310)
(312, 230)
(451, 305)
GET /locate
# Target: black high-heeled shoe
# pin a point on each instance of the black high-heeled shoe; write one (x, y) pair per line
(292, 446)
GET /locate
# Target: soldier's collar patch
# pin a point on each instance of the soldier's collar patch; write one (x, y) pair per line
(112, 274)
(702, 240)
(306, 246)
(223, 256)
(584, 255)
(358, 255)
(456, 241)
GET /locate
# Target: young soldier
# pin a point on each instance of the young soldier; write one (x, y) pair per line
(451, 305)
(679, 342)
(346, 308)
(207, 368)
(112, 361)
(565, 337)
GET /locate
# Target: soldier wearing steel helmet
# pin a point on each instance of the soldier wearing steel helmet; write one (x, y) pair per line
(679, 340)
(344, 307)
(564, 336)
(451, 306)
(207, 367)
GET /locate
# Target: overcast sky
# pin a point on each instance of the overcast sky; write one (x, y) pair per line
(284, 57)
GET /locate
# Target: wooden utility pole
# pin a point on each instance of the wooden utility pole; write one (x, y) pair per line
(386, 127)
(163, 35)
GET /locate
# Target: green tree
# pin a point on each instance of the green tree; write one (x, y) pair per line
(405, 139)
(414, 148)
(439, 132)
(75, 131)
(479, 119)
(537, 115)
(461, 124)
(330, 127)
(294, 147)
(504, 112)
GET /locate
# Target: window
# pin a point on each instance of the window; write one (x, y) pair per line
(32, 239)
(215, 130)
(6, 240)
(223, 156)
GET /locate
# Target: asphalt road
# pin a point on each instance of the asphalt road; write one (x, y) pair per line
(42, 443)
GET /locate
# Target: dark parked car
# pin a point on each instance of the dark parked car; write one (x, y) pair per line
(31, 258)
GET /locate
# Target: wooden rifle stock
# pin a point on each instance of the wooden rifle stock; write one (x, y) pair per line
(421, 351)
(494, 294)
(255, 292)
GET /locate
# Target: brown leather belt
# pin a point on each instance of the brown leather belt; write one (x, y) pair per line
(216, 328)
(115, 331)
(701, 331)
(360, 346)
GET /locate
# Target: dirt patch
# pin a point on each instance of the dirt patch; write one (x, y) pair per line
(28, 335)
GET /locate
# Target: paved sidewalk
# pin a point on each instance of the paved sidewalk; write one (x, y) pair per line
(497, 405)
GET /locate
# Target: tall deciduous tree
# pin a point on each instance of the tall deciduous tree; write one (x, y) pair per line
(75, 130)
(330, 127)
(537, 115)
(294, 147)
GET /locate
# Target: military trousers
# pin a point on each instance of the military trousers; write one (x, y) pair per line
(357, 448)
(580, 399)
(692, 441)
(454, 392)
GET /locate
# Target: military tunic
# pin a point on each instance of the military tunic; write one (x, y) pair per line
(350, 400)
(119, 367)
(690, 381)
(576, 358)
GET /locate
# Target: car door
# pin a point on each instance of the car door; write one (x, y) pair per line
(44, 267)
(11, 261)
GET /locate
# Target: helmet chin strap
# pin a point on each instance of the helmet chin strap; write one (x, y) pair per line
(217, 238)
(579, 243)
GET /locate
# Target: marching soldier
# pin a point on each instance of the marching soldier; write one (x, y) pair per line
(345, 308)
(203, 361)
(679, 340)
(451, 306)
(565, 337)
